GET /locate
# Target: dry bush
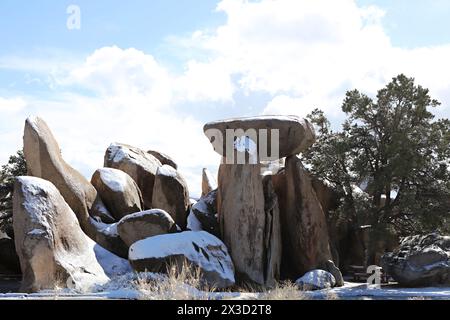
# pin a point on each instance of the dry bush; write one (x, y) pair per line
(286, 290)
(180, 283)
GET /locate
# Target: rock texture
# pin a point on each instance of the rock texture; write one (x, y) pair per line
(249, 222)
(205, 210)
(200, 249)
(304, 228)
(146, 224)
(118, 191)
(138, 164)
(44, 160)
(50, 244)
(163, 158)
(420, 261)
(171, 194)
(316, 280)
(208, 182)
(295, 134)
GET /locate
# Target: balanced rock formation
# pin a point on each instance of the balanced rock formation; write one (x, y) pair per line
(303, 222)
(171, 194)
(316, 280)
(163, 158)
(420, 261)
(199, 249)
(294, 134)
(51, 246)
(44, 160)
(249, 223)
(146, 224)
(205, 211)
(118, 191)
(138, 164)
(208, 182)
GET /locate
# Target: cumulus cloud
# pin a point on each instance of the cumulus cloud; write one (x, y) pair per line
(296, 54)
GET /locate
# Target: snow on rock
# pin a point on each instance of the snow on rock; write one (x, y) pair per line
(316, 280)
(167, 171)
(51, 246)
(112, 265)
(201, 249)
(138, 164)
(118, 191)
(114, 179)
(193, 223)
(142, 225)
(205, 211)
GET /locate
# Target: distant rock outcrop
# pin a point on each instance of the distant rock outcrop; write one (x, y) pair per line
(208, 182)
(421, 260)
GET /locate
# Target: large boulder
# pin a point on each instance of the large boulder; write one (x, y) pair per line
(163, 158)
(208, 182)
(52, 248)
(421, 260)
(303, 222)
(138, 164)
(316, 280)
(249, 222)
(200, 249)
(171, 194)
(205, 211)
(146, 224)
(118, 192)
(295, 134)
(44, 160)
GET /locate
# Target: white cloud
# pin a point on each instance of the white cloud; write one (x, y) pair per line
(12, 105)
(308, 53)
(299, 54)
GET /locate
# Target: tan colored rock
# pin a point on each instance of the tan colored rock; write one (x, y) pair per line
(208, 182)
(201, 250)
(146, 224)
(44, 160)
(171, 194)
(303, 223)
(295, 134)
(138, 164)
(52, 248)
(249, 222)
(118, 191)
(163, 158)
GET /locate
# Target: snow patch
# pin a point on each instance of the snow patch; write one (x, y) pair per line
(165, 245)
(167, 171)
(114, 179)
(193, 223)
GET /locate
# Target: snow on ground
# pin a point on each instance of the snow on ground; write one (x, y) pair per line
(127, 287)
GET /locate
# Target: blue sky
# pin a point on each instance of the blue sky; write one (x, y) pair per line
(151, 73)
